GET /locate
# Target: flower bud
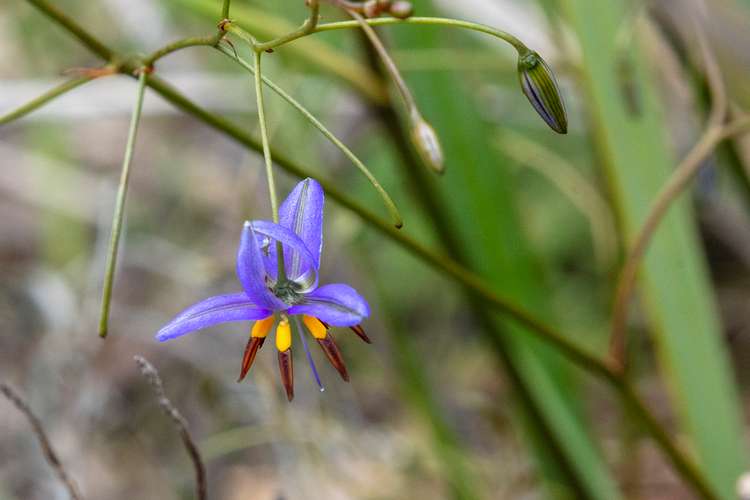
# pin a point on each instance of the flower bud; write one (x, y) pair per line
(428, 145)
(540, 87)
(401, 9)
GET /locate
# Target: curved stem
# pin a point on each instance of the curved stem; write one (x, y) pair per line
(387, 200)
(117, 218)
(409, 101)
(43, 99)
(676, 184)
(422, 21)
(307, 27)
(196, 41)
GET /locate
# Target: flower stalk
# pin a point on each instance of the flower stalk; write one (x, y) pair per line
(387, 200)
(119, 213)
(424, 137)
(268, 160)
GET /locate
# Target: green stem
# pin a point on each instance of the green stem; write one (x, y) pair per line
(423, 21)
(73, 28)
(385, 57)
(307, 28)
(196, 41)
(225, 9)
(268, 161)
(44, 99)
(685, 467)
(387, 200)
(117, 218)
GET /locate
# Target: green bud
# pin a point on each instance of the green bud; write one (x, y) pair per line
(540, 87)
(428, 145)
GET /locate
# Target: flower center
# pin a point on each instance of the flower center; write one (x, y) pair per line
(288, 292)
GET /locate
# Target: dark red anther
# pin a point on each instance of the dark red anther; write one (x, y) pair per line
(287, 372)
(253, 345)
(361, 333)
(334, 355)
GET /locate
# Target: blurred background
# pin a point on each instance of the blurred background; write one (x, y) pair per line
(452, 400)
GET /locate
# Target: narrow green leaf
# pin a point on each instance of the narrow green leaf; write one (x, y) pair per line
(675, 287)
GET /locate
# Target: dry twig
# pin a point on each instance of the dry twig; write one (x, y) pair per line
(152, 376)
(41, 436)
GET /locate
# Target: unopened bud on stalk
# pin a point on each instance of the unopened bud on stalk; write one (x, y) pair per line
(427, 144)
(540, 87)
(401, 9)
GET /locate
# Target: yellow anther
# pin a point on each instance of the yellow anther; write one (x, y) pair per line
(262, 327)
(313, 324)
(283, 335)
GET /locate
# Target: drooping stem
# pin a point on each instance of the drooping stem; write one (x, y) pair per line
(268, 160)
(43, 99)
(390, 205)
(390, 65)
(117, 218)
(423, 21)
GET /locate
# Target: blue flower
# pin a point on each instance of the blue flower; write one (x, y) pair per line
(270, 301)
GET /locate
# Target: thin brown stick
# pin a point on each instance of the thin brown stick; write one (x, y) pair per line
(152, 376)
(41, 436)
(716, 131)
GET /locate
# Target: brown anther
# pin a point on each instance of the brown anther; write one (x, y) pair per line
(223, 24)
(361, 333)
(287, 372)
(252, 348)
(334, 355)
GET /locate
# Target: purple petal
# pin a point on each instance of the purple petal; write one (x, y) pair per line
(306, 273)
(212, 311)
(252, 273)
(338, 305)
(302, 213)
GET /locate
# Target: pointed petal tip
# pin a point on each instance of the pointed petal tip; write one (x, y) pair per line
(361, 333)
